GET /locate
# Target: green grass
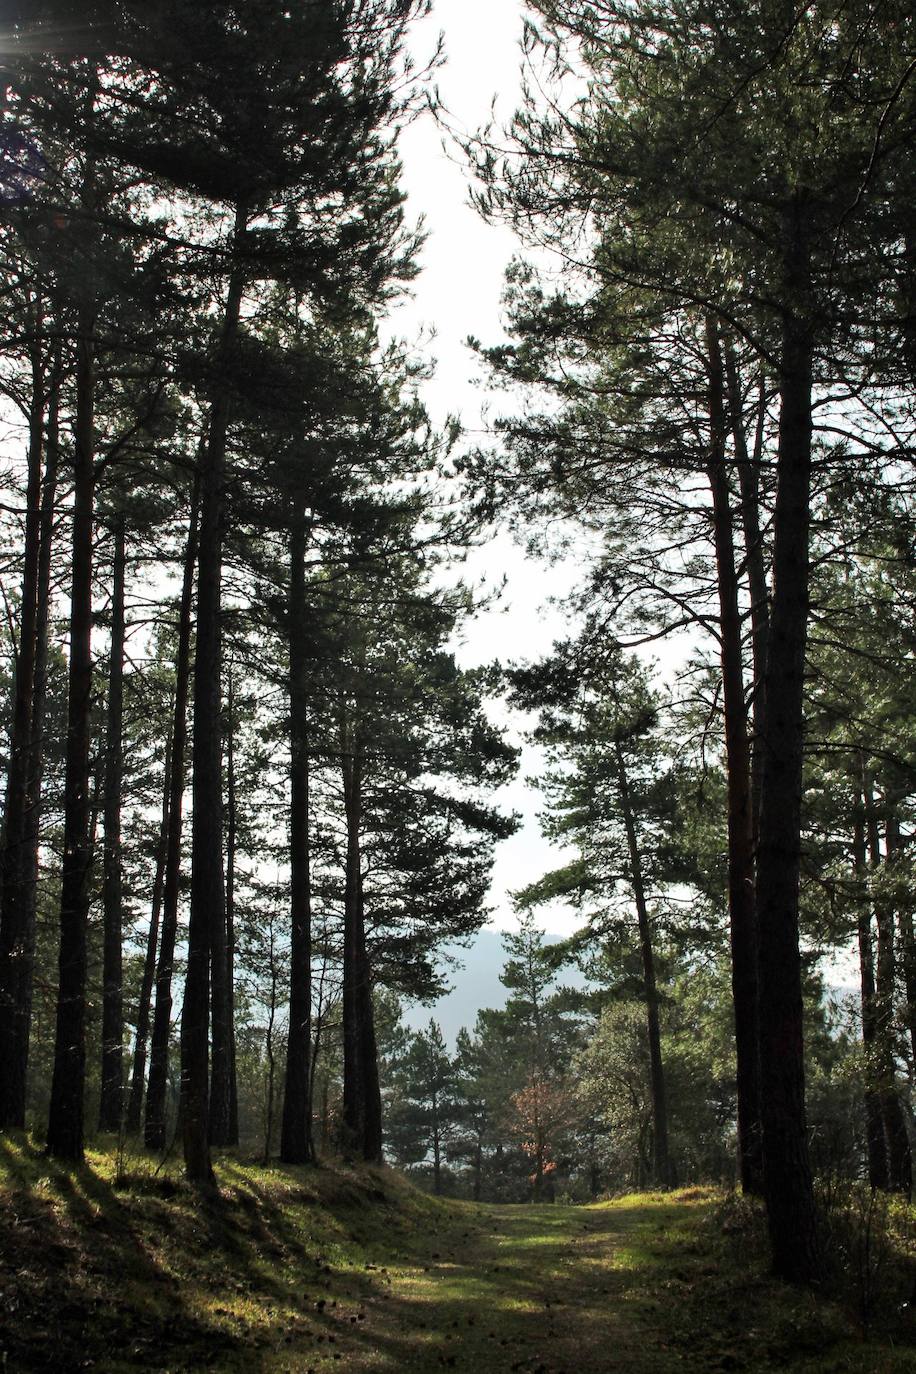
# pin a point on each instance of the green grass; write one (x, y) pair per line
(335, 1269)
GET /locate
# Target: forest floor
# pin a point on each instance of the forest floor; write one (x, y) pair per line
(286, 1271)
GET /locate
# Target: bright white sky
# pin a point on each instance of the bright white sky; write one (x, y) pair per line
(457, 295)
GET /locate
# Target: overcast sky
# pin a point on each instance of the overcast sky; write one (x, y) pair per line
(458, 294)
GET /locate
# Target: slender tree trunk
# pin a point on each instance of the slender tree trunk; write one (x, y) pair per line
(740, 806)
(907, 947)
(203, 1120)
(65, 1121)
(437, 1151)
(269, 1052)
(144, 1006)
(296, 1144)
(317, 1041)
(755, 562)
(37, 744)
(900, 1177)
(874, 1123)
(111, 1104)
(325, 1112)
(908, 952)
(231, 844)
(661, 1159)
(155, 1118)
(538, 1180)
(362, 1093)
(353, 1089)
(788, 1185)
(16, 874)
(372, 1092)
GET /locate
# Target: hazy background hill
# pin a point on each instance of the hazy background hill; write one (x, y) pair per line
(474, 979)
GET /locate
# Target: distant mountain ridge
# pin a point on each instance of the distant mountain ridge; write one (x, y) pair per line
(475, 984)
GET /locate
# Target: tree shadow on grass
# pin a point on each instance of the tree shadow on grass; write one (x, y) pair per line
(82, 1285)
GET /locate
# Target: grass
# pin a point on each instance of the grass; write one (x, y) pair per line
(286, 1271)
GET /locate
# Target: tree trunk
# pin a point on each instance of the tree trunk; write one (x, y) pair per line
(16, 869)
(155, 1118)
(296, 1144)
(437, 1152)
(874, 1123)
(37, 744)
(907, 947)
(231, 844)
(788, 1185)
(908, 953)
(203, 1120)
(111, 1104)
(538, 1181)
(325, 1112)
(269, 1052)
(362, 1094)
(899, 1171)
(661, 1160)
(317, 1040)
(65, 1121)
(740, 808)
(138, 1072)
(372, 1093)
(755, 562)
(353, 1090)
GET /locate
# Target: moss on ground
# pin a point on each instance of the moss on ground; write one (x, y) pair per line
(285, 1271)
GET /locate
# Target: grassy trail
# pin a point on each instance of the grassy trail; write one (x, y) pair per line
(289, 1271)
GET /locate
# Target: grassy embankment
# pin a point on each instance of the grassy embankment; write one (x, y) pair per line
(297, 1270)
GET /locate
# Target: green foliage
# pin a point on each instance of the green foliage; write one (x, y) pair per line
(423, 1106)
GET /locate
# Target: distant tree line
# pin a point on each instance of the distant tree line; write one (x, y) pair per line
(551, 1097)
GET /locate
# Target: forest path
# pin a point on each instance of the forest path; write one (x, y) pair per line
(543, 1289)
(341, 1270)
(642, 1285)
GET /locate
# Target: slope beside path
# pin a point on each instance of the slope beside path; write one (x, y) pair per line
(292, 1271)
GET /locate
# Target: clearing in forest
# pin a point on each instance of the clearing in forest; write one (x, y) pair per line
(290, 1271)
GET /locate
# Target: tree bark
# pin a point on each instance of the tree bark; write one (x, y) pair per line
(155, 1117)
(16, 869)
(908, 952)
(269, 1052)
(203, 1120)
(899, 1165)
(65, 1121)
(437, 1149)
(874, 1123)
(740, 805)
(788, 1185)
(111, 1103)
(907, 947)
(755, 562)
(371, 1086)
(144, 1005)
(232, 1137)
(353, 1088)
(37, 744)
(660, 1156)
(362, 1106)
(296, 1142)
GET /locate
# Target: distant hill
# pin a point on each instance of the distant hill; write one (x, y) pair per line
(475, 984)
